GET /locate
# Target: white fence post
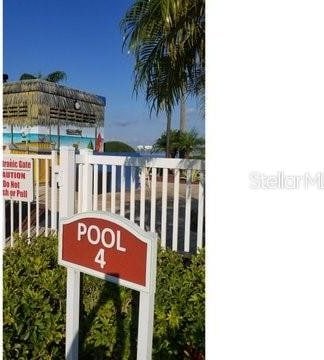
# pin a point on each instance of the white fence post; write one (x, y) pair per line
(53, 192)
(66, 206)
(3, 223)
(146, 312)
(86, 181)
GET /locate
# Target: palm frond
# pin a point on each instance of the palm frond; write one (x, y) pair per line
(167, 40)
(26, 76)
(56, 76)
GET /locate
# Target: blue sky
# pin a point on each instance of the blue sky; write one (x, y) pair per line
(83, 38)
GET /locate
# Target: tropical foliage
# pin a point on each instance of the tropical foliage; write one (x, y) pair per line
(167, 39)
(55, 77)
(34, 290)
(117, 146)
(160, 144)
(189, 142)
(182, 143)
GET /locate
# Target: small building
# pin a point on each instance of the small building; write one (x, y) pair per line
(39, 116)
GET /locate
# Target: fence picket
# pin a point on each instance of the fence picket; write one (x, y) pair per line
(142, 200)
(187, 212)
(87, 181)
(28, 221)
(200, 216)
(20, 217)
(164, 206)
(53, 192)
(37, 195)
(46, 196)
(4, 219)
(122, 190)
(95, 187)
(175, 210)
(153, 199)
(11, 223)
(132, 195)
(80, 187)
(113, 189)
(104, 188)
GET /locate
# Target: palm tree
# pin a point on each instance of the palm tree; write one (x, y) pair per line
(182, 143)
(55, 77)
(167, 39)
(161, 143)
(183, 120)
(189, 142)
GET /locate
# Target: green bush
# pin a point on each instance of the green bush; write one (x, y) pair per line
(117, 146)
(34, 308)
(33, 301)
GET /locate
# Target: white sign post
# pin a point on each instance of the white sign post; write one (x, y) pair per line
(67, 194)
(106, 246)
(17, 178)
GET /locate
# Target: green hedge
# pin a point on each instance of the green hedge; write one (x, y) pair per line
(117, 146)
(34, 308)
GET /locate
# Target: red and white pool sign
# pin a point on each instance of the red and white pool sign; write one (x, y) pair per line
(17, 178)
(109, 247)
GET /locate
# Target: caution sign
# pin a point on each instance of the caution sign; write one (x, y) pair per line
(17, 178)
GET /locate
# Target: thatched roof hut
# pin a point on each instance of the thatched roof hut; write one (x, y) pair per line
(39, 102)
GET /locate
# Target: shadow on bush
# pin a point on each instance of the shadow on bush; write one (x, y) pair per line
(109, 323)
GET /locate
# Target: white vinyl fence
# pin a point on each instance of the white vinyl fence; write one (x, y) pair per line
(160, 195)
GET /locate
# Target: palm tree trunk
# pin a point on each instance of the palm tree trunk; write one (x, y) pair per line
(183, 119)
(168, 133)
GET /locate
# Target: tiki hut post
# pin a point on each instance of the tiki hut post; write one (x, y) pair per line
(58, 135)
(11, 129)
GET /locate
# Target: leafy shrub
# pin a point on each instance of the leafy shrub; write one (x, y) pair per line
(33, 301)
(185, 144)
(34, 308)
(179, 306)
(117, 146)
